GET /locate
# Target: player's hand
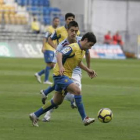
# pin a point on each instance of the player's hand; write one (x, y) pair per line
(43, 50)
(61, 70)
(92, 73)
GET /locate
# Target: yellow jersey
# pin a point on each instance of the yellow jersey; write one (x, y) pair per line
(72, 56)
(49, 31)
(61, 34)
(35, 26)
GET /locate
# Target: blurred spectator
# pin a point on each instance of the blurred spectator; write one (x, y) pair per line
(35, 26)
(117, 39)
(107, 38)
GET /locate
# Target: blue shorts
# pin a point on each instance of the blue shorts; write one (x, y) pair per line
(61, 82)
(49, 56)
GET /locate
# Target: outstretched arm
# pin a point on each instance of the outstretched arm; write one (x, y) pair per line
(43, 46)
(50, 41)
(87, 55)
(59, 61)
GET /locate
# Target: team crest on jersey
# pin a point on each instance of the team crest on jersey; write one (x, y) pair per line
(66, 50)
(66, 80)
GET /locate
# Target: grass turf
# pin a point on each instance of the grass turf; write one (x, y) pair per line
(117, 87)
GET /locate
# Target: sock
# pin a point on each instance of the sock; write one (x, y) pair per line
(49, 105)
(41, 72)
(47, 72)
(80, 106)
(49, 89)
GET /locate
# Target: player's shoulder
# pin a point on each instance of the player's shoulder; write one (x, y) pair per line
(74, 46)
(64, 42)
(60, 28)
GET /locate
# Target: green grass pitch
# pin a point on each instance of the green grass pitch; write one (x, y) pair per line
(117, 87)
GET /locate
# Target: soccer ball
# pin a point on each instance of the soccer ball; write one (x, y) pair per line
(105, 115)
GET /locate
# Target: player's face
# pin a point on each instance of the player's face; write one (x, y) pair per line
(72, 32)
(87, 45)
(69, 19)
(56, 22)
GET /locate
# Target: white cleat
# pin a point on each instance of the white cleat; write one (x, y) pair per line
(48, 82)
(34, 119)
(38, 77)
(88, 121)
(47, 116)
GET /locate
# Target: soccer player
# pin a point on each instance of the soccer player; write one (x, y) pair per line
(76, 75)
(49, 53)
(61, 32)
(67, 59)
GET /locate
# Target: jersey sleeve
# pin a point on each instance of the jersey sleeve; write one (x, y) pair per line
(54, 36)
(66, 51)
(59, 47)
(47, 34)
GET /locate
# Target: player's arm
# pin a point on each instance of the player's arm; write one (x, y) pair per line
(47, 34)
(59, 61)
(90, 72)
(43, 46)
(51, 38)
(87, 56)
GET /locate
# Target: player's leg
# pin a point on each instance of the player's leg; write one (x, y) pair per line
(73, 88)
(76, 78)
(38, 75)
(45, 92)
(50, 61)
(57, 100)
(47, 116)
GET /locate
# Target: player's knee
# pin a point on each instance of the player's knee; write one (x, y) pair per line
(51, 65)
(78, 92)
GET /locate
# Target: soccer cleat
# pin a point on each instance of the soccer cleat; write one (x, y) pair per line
(47, 82)
(88, 121)
(34, 119)
(73, 105)
(47, 117)
(44, 97)
(38, 77)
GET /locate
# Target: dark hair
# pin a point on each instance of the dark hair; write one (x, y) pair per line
(55, 18)
(90, 36)
(69, 15)
(72, 23)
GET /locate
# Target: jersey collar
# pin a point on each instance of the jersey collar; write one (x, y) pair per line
(79, 45)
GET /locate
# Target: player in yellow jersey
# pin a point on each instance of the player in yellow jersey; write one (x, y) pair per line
(61, 32)
(49, 53)
(67, 59)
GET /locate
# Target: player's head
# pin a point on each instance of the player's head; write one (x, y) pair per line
(72, 29)
(69, 17)
(88, 40)
(56, 22)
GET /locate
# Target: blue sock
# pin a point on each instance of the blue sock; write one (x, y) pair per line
(47, 72)
(49, 89)
(80, 106)
(41, 72)
(49, 105)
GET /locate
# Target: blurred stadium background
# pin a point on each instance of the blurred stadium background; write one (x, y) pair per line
(116, 86)
(98, 16)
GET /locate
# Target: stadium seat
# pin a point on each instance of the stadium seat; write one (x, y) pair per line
(47, 20)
